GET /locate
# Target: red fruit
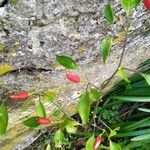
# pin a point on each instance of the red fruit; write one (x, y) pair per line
(20, 96)
(43, 120)
(147, 4)
(97, 142)
(73, 77)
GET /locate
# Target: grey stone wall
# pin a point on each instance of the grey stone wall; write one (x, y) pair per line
(34, 31)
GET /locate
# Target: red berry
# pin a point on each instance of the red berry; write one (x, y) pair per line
(97, 142)
(147, 4)
(73, 77)
(20, 96)
(43, 120)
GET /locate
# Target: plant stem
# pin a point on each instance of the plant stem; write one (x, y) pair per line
(106, 82)
(68, 115)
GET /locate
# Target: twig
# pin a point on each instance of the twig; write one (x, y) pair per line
(61, 109)
(106, 82)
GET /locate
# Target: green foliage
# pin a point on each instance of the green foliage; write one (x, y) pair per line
(66, 61)
(40, 109)
(114, 146)
(132, 99)
(122, 74)
(84, 107)
(109, 14)
(31, 122)
(3, 119)
(141, 137)
(147, 77)
(105, 48)
(144, 109)
(69, 124)
(59, 138)
(90, 143)
(128, 5)
(95, 94)
(114, 117)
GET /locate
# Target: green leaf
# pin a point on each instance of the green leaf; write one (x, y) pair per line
(133, 133)
(90, 143)
(134, 145)
(113, 132)
(84, 107)
(69, 124)
(128, 5)
(109, 14)
(132, 99)
(3, 119)
(31, 122)
(66, 61)
(144, 109)
(25, 105)
(50, 95)
(147, 77)
(114, 146)
(141, 137)
(59, 138)
(40, 109)
(95, 94)
(136, 125)
(57, 112)
(105, 48)
(122, 74)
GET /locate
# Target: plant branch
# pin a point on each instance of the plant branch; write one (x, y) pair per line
(106, 82)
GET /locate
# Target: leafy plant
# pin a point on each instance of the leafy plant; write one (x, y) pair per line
(118, 120)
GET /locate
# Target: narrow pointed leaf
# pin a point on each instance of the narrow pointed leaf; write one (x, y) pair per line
(141, 137)
(90, 143)
(136, 125)
(40, 109)
(109, 14)
(3, 119)
(84, 107)
(144, 109)
(105, 48)
(133, 133)
(132, 99)
(66, 61)
(147, 77)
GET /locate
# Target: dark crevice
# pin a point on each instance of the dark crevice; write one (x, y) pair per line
(5, 2)
(29, 70)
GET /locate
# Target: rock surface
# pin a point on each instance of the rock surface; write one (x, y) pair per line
(33, 32)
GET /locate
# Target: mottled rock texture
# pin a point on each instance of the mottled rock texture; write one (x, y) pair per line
(34, 31)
